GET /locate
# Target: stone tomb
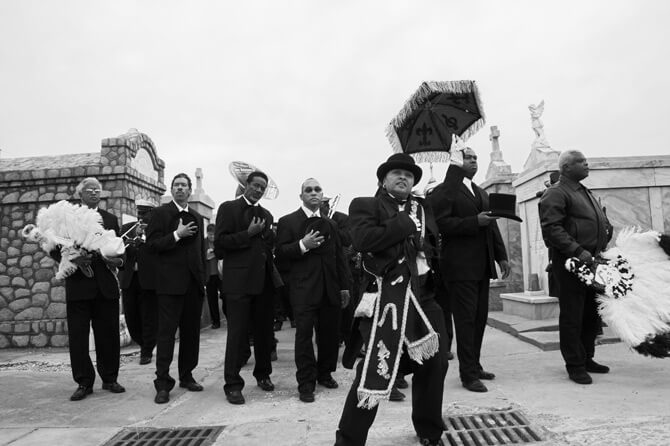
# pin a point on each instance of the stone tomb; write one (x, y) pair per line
(635, 191)
(32, 302)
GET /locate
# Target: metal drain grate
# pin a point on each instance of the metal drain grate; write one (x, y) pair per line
(177, 436)
(490, 428)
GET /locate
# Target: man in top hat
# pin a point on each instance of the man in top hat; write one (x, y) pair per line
(175, 234)
(575, 225)
(93, 300)
(397, 235)
(471, 244)
(308, 242)
(244, 240)
(137, 278)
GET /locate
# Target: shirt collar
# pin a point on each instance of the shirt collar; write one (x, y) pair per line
(398, 200)
(309, 213)
(179, 208)
(468, 183)
(249, 202)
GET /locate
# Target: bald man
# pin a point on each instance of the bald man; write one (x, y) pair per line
(575, 225)
(308, 243)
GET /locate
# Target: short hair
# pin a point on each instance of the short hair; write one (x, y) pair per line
(566, 158)
(302, 186)
(211, 227)
(257, 173)
(182, 175)
(80, 186)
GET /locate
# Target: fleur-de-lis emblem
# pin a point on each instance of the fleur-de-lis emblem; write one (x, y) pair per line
(424, 131)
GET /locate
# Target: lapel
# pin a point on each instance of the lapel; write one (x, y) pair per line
(465, 191)
(173, 208)
(388, 204)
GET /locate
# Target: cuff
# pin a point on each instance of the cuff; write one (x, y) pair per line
(303, 249)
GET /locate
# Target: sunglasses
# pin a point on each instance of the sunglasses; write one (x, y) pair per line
(308, 189)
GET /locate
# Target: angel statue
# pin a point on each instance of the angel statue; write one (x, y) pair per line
(538, 127)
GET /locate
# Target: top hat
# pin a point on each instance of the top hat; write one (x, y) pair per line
(503, 205)
(400, 161)
(317, 224)
(186, 218)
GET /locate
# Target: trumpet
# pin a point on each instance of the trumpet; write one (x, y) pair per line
(139, 237)
(333, 204)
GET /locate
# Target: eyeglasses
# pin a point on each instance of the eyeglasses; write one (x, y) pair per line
(308, 189)
(93, 191)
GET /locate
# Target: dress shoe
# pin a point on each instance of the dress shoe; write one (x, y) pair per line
(450, 356)
(396, 395)
(580, 377)
(235, 397)
(162, 397)
(273, 355)
(113, 387)
(430, 442)
(191, 386)
(475, 386)
(81, 393)
(145, 360)
(328, 382)
(401, 382)
(483, 374)
(594, 367)
(277, 325)
(307, 397)
(215, 326)
(266, 384)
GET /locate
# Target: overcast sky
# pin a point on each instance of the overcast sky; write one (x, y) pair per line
(306, 88)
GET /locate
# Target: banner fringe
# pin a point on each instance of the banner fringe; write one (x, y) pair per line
(426, 89)
(424, 348)
(368, 400)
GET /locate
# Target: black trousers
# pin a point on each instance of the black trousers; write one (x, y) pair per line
(178, 311)
(141, 311)
(213, 285)
(578, 320)
(103, 315)
(469, 301)
(442, 298)
(284, 295)
(427, 391)
(243, 309)
(324, 318)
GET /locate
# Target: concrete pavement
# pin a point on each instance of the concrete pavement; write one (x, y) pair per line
(628, 406)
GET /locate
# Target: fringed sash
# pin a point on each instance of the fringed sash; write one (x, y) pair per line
(398, 318)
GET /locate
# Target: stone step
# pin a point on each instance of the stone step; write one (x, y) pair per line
(530, 305)
(540, 333)
(514, 324)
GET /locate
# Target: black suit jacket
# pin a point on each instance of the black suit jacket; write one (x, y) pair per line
(382, 232)
(342, 221)
(177, 262)
(469, 251)
(318, 269)
(80, 287)
(137, 254)
(247, 261)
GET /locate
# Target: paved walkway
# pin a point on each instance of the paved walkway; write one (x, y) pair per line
(629, 406)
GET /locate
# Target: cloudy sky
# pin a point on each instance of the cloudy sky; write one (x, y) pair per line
(306, 88)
